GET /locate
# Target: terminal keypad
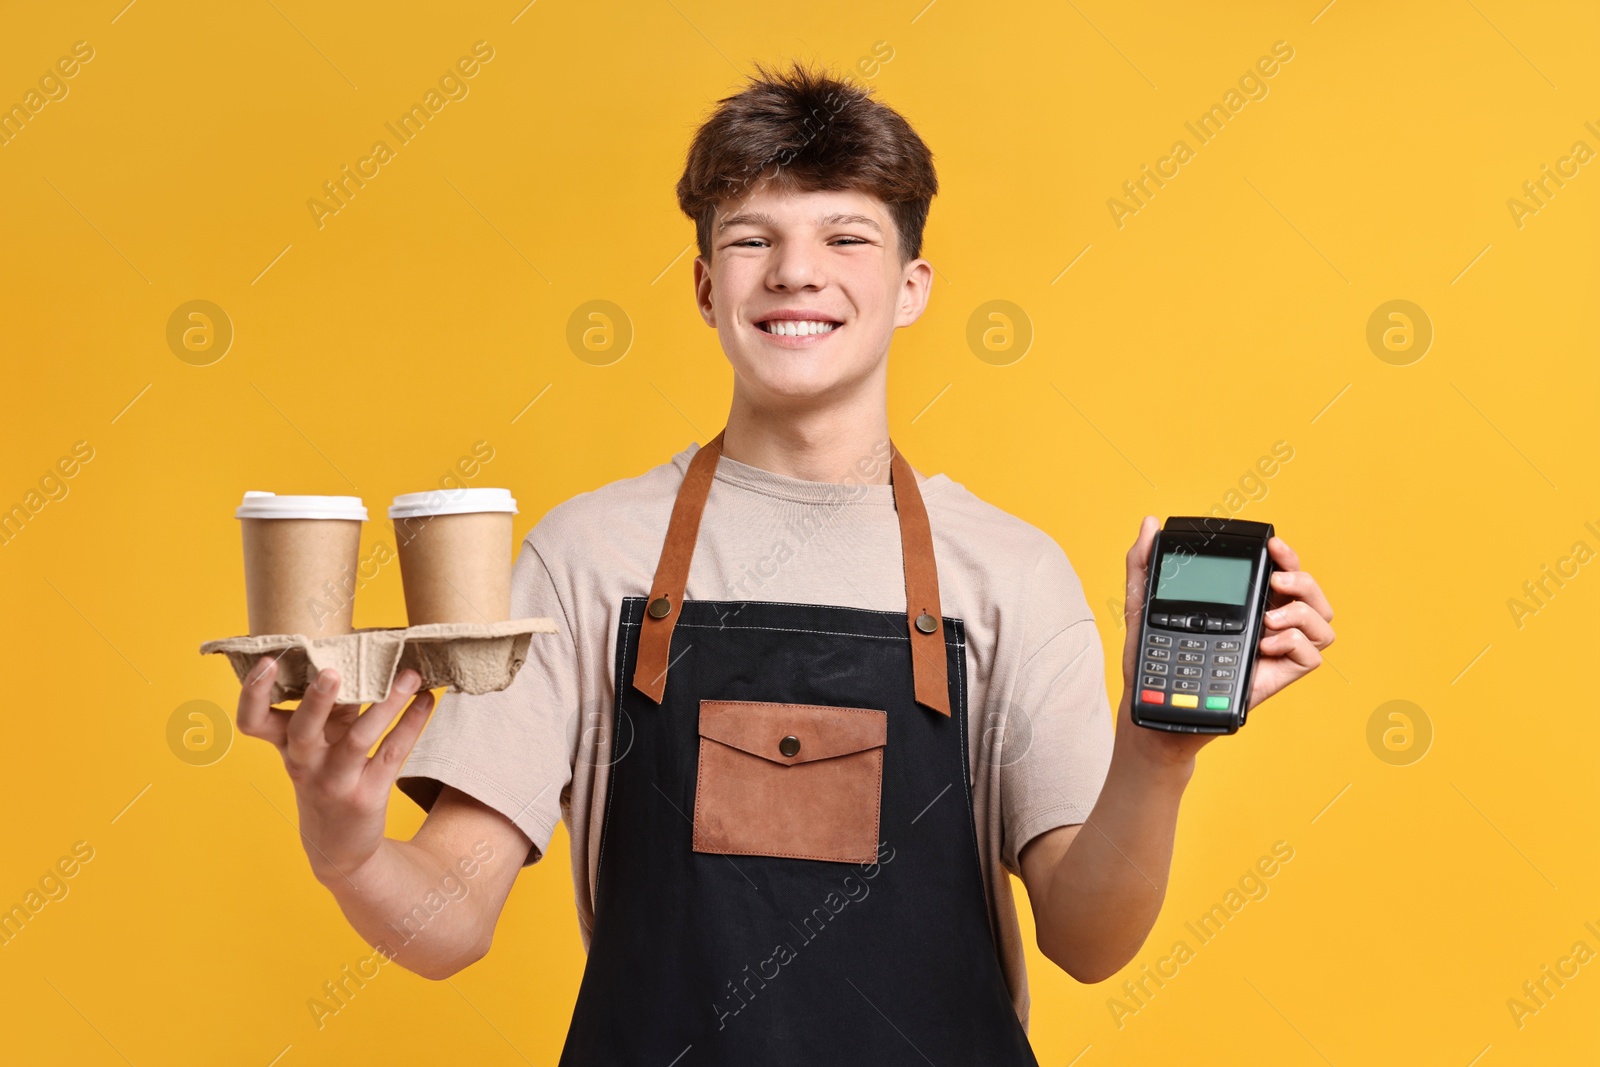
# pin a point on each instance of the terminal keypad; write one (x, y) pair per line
(1203, 673)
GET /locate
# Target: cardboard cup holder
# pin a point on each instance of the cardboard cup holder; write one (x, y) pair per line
(467, 657)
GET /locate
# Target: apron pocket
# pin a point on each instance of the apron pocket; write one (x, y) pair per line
(802, 781)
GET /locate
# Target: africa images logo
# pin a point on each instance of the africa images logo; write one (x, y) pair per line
(452, 85)
(1252, 85)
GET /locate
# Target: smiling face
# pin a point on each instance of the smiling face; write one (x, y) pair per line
(805, 290)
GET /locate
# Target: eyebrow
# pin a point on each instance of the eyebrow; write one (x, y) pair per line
(761, 218)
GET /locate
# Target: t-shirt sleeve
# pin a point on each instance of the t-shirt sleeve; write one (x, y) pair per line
(510, 749)
(1059, 726)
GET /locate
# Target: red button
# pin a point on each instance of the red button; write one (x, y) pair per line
(1152, 696)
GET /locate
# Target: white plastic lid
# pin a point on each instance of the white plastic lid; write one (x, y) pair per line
(259, 505)
(461, 501)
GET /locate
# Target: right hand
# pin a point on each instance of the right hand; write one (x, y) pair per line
(341, 793)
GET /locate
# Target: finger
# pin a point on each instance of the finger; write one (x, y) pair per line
(384, 766)
(1300, 616)
(1292, 645)
(1300, 585)
(306, 744)
(1138, 568)
(1282, 555)
(256, 716)
(1138, 563)
(340, 720)
(350, 755)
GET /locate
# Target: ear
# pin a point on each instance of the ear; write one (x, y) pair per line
(916, 287)
(702, 291)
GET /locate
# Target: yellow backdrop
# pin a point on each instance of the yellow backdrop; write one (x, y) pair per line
(1356, 301)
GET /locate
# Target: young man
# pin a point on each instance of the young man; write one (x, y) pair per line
(808, 707)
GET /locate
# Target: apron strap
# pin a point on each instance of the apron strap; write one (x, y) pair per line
(924, 622)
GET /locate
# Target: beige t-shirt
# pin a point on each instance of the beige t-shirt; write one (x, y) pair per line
(1040, 721)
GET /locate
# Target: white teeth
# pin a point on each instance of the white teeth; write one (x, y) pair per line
(799, 327)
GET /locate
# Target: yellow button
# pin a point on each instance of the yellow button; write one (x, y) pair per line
(1185, 700)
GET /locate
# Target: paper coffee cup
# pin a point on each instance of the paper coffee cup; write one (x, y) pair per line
(300, 557)
(455, 554)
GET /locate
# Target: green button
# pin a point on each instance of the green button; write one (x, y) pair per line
(1216, 703)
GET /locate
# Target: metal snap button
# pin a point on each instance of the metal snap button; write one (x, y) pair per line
(927, 623)
(660, 608)
(789, 745)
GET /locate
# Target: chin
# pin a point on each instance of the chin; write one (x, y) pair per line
(792, 384)
(794, 389)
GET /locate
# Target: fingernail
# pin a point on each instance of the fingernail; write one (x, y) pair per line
(257, 671)
(327, 678)
(408, 681)
(1276, 615)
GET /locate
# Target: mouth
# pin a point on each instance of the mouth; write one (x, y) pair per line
(783, 327)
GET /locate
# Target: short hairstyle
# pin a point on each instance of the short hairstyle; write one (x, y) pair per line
(808, 131)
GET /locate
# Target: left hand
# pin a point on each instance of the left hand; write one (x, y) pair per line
(1296, 627)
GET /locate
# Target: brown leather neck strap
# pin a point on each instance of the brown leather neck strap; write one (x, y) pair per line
(924, 622)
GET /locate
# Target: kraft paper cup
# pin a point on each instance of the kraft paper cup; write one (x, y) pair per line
(455, 554)
(300, 557)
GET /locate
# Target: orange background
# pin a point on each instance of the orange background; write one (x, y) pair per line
(1439, 861)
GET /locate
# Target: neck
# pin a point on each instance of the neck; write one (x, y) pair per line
(839, 442)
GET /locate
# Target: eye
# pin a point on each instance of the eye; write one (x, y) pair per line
(854, 240)
(746, 243)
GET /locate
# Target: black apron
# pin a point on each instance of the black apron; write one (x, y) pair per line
(788, 868)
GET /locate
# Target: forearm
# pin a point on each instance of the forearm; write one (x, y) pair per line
(409, 904)
(1107, 887)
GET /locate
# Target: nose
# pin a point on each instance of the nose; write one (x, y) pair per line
(795, 265)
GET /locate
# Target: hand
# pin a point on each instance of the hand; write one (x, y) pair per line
(1297, 628)
(342, 795)
(1297, 625)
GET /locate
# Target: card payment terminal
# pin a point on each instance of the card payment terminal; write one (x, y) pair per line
(1207, 590)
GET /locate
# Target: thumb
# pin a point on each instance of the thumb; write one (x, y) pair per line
(1138, 568)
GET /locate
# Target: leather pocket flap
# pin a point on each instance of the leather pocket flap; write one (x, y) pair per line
(820, 731)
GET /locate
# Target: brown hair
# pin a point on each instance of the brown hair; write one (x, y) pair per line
(808, 131)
